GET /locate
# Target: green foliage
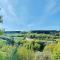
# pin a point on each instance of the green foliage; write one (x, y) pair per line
(43, 55)
(31, 49)
(1, 32)
(2, 42)
(1, 20)
(36, 46)
(25, 54)
(54, 49)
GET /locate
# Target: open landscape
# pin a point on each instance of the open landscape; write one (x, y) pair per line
(29, 29)
(32, 45)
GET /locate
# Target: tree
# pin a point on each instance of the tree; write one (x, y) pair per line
(1, 21)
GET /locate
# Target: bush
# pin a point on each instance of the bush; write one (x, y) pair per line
(25, 54)
(36, 46)
(1, 32)
(54, 49)
(7, 53)
(43, 56)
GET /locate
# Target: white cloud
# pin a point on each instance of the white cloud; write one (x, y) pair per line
(51, 7)
(9, 13)
(7, 9)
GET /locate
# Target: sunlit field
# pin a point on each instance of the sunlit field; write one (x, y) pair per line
(30, 46)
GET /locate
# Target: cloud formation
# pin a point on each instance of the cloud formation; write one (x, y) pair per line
(17, 15)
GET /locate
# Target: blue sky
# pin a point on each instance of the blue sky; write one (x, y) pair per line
(30, 14)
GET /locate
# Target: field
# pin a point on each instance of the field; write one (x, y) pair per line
(30, 46)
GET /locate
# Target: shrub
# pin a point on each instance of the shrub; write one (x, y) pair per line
(25, 54)
(36, 46)
(43, 56)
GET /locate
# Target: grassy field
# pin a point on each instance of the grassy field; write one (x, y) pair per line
(30, 46)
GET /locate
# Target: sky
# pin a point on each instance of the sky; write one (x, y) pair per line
(25, 15)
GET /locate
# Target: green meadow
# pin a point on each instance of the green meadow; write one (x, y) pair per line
(30, 46)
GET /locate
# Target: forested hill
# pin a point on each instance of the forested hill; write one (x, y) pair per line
(45, 31)
(9, 32)
(34, 31)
